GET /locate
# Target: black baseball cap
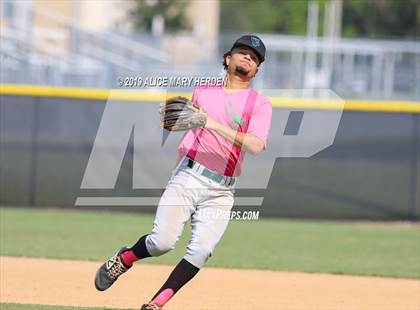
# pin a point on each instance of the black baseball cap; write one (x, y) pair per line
(254, 43)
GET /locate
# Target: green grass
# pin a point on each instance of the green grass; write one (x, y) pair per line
(309, 246)
(9, 306)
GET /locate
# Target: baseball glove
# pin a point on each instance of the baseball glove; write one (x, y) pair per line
(179, 113)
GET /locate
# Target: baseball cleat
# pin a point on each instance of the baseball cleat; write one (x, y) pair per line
(109, 272)
(151, 306)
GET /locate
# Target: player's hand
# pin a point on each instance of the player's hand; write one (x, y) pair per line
(210, 122)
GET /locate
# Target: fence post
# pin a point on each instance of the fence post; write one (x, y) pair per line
(414, 177)
(34, 153)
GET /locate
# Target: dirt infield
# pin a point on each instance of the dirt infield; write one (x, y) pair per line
(63, 282)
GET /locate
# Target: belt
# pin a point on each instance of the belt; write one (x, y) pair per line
(221, 179)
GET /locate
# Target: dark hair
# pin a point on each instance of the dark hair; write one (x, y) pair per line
(225, 66)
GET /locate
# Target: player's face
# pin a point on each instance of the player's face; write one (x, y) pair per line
(243, 61)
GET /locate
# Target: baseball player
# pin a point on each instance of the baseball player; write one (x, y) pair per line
(236, 120)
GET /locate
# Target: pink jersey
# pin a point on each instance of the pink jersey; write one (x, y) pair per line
(212, 149)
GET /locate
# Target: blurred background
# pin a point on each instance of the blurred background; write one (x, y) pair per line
(366, 51)
(357, 48)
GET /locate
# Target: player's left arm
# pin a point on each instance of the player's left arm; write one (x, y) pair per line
(245, 141)
(250, 142)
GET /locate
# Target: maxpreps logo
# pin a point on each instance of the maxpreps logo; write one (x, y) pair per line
(298, 130)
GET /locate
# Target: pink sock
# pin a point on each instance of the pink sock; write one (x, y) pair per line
(129, 258)
(163, 297)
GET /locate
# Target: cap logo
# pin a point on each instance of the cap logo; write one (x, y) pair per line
(255, 41)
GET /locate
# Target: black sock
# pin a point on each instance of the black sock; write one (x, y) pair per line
(139, 249)
(182, 273)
